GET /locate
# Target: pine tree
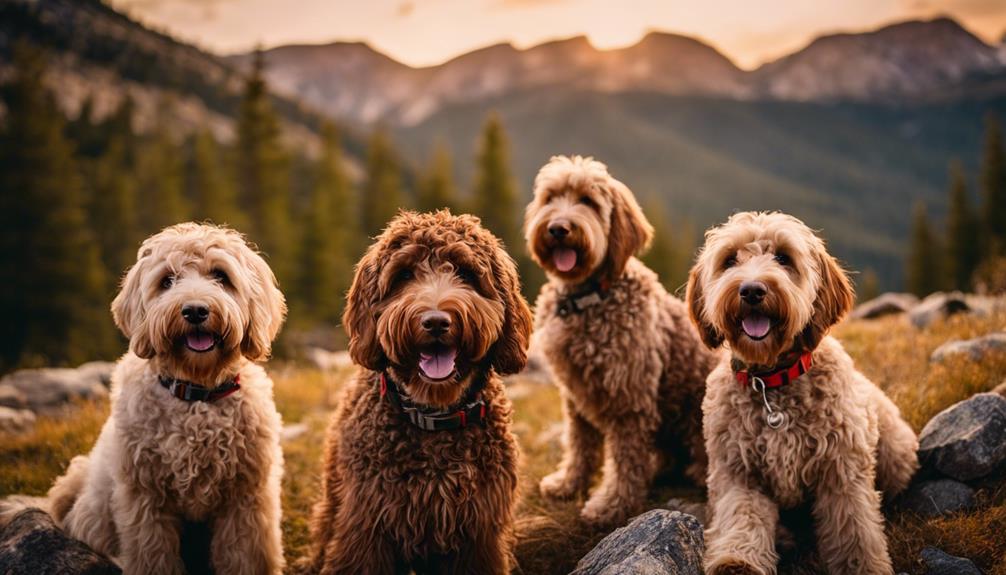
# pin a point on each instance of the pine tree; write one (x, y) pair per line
(53, 289)
(436, 188)
(495, 196)
(382, 195)
(994, 189)
(962, 232)
(923, 262)
(325, 266)
(161, 174)
(263, 173)
(213, 193)
(114, 209)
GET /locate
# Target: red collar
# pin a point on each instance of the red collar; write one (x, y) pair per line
(779, 376)
(473, 411)
(188, 391)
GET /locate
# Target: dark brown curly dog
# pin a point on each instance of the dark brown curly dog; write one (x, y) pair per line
(421, 468)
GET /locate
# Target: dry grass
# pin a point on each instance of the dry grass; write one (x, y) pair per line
(552, 539)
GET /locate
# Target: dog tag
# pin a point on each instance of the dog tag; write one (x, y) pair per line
(775, 419)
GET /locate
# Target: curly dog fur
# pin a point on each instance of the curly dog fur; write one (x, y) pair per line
(843, 438)
(631, 368)
(159, 461)
(396, 497)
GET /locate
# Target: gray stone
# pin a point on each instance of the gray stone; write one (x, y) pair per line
(31, 544)
(696, 509)
(968, 439)
(293, 431)
(939, 305)
(939, 563)
(975, 349)
(887, 304)
(328, 360)
(52, 387)
(938, 497)
(658, 542)
(16, 420)
(11, 396)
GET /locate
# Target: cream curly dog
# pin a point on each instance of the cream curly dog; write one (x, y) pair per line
(193, 436)
(629, 364)
(788, 419)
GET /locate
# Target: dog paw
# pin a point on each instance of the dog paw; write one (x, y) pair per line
(558, 486)
(734, 567)
(601, 513)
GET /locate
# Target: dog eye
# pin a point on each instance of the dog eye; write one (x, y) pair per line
(404, 275)
(730, 262)
(221, 276)
(167, 281)
(467, 276)
(783, 259)
(585, 200)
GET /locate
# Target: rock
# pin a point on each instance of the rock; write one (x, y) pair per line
(696, 509)
(31, 544)
(293, 431)
(551, 436)
(656, 542)
(939, 563)
(16, 420)
(886, 304)
(938, 497)
(968, 439)
(328, 360)
(11, 396)
(938, 305)
(52, 387)
(976, 349)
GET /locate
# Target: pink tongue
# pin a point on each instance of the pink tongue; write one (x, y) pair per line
(756, 326)
(564, 258)
(438, 365)
(199, 341)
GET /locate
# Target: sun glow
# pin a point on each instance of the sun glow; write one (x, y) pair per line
(608, 38)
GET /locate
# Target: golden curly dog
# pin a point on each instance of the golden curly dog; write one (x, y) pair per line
(420, 469)
(193, 435)
(789, 419)
(629, 364)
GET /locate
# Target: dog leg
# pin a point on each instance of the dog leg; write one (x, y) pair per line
(149, 537)
(629, 466)
(581, 458)
(741, 535)
(358, 548)
(897, 448)
(850, 526)
(246, 537)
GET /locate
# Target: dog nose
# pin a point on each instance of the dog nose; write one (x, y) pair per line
(753, 292)
(558, 229)
(436, 323)
(195, 313)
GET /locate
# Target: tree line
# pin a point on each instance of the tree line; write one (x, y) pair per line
(80, 194)
(969, 254)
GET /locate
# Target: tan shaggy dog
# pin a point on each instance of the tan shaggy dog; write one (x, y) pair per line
(421, 468)
(193, 436)
(629, 364)
(789, 420)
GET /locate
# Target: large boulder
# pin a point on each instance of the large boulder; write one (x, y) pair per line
(887, 304)
(327, 360)
(975, 349)
(938, 497)
(939, 563)
(52, 387)
(658, 542)
(31, 544)
(967, 440)
(941, 305)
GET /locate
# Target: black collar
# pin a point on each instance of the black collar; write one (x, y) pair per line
(588, 294)
(188, 391)
(471, 410)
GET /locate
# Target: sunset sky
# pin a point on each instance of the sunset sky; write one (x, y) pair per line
(426, 32)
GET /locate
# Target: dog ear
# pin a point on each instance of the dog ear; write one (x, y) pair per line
(835, 298)
(630, 232)
(509, 354)
(128, 311)
(266, 308)
(360, 317)
(696, 308)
